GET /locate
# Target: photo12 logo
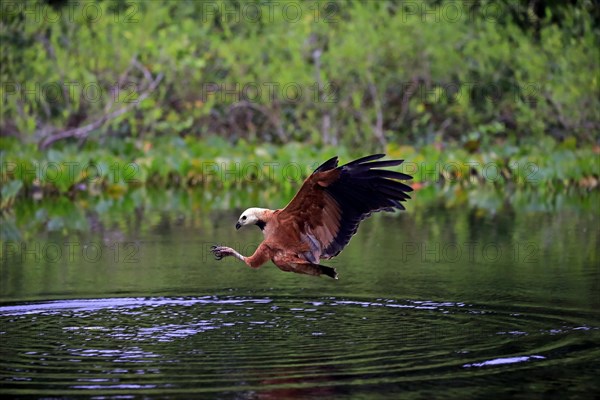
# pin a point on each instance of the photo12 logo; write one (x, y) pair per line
(327, 12)
(253, 171)
(265, 92)
(69, 92)
(456, 171)
(70, 251)
(70, 11)
(472, 252)
(71, 171)
(456, 12)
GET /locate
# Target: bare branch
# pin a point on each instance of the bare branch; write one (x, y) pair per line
(271, 117)
(83, 131)
(378, 128)
(120, 83)
(326, 121)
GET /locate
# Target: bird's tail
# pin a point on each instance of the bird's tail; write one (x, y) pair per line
(331, 272)
(308, 268)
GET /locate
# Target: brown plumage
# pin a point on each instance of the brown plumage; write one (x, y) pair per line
(325, 213)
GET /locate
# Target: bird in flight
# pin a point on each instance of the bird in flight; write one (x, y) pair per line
(325, 213)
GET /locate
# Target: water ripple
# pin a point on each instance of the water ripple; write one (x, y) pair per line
(505, 360)
(275, 347)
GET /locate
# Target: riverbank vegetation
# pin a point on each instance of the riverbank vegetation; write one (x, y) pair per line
(67, 188)
(102, 100)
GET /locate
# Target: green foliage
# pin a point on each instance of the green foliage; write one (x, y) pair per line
(214, 165)
(326, 72)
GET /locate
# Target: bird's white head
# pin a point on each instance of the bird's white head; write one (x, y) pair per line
(252, 216)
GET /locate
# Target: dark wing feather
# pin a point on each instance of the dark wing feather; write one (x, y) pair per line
(327, 165)
(334, 200)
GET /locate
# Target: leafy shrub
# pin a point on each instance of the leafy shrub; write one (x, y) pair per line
(348, 73)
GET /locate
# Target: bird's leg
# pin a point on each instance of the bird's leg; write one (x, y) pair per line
(222, 251)
(262, 254)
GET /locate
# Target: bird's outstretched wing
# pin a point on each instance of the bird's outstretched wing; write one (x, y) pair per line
(334, 200)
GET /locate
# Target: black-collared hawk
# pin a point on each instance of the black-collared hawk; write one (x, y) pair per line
(325, 213)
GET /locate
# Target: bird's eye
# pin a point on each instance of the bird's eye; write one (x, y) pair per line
(244, 218)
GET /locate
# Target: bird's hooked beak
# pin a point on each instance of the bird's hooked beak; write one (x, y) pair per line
(238, 225)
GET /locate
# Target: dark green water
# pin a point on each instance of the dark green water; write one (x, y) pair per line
(433, 303)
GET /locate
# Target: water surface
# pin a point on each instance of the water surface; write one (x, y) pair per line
(431, 303)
